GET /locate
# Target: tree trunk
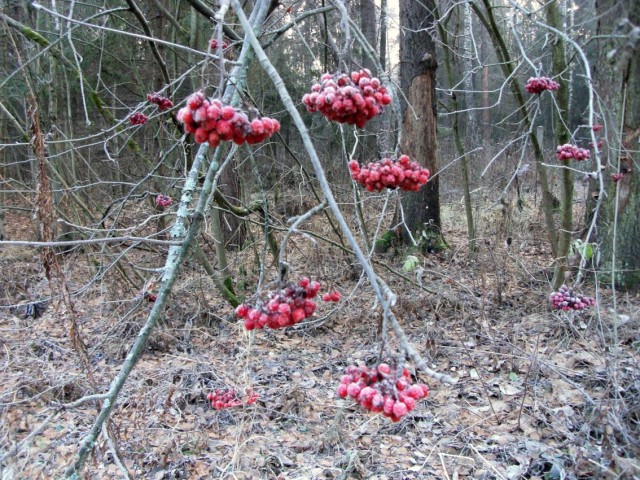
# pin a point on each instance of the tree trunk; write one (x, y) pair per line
(469, 96)
(3, 174)
(417, 77)
(369, 150)
(485, 52)
(455, 123)
(617, 80)
(559, 67)
(506, 64)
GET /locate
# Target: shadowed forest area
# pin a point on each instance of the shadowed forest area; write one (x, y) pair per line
(332, 239)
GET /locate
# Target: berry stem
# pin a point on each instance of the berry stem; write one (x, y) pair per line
(383, 294)
(282, 265)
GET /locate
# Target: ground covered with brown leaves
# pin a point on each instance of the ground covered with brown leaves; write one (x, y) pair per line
(539, 394)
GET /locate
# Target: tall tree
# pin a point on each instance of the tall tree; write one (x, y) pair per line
(560, 70)
(418, 81)
(617, 77)
(368, 27)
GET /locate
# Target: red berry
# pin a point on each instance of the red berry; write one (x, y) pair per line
(387, 408)
(377, 403)
(384, 368)
(342, 390)
(227, 112)
(399, 409)
(242, 310)
(353, 389)
(201, 135)
(298, 314)
(138, 119)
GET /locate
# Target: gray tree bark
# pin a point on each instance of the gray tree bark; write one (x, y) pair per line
(617, 79)
(369, 151)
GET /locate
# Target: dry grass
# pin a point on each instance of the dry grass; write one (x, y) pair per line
(540, 394)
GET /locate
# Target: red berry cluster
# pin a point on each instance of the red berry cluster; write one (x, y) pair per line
(353, 99)
(211, 121)
(390, 173)
(568, 151)
(150, 297)
(283, 308)
(379, 390)
(138, 118)
(540, 84)
(163, 201)
(616, 177)
(597, 127)
(333, 296)
(229, 398)
(214, 44)
(162, 102)
(565, 299)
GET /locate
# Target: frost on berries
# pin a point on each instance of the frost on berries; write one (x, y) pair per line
(282, 308)
(210, 121)
(353, 99)
(228, 398)
(138, 119)
(380, 390)
(163, 201)
(333, 296)
(566, 299)
(540, 84)
(568, 151)
(390, 173)
(616, 177)
(162, 102)
(214, 44)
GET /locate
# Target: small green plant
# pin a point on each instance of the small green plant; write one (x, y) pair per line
(583, 249)
(410, 263)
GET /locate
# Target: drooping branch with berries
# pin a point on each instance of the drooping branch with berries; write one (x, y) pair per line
(384, 295)
(186, 228)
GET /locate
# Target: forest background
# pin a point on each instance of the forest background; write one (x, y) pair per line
(126, 246)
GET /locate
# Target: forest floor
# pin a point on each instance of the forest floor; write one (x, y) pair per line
(539, 394)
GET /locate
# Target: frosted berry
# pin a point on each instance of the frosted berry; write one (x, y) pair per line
(390, 173)
(566, 299)
(163, 201)
(333, 296)
(353, 99)
(138, 118)
(342, 390)
(221, 399)
(281, 308)
(379, 390)
(212, 122)
(400, 409)
(214, 44)
(162, 102)
(353, 389)
(568, 151)
(540, 84)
